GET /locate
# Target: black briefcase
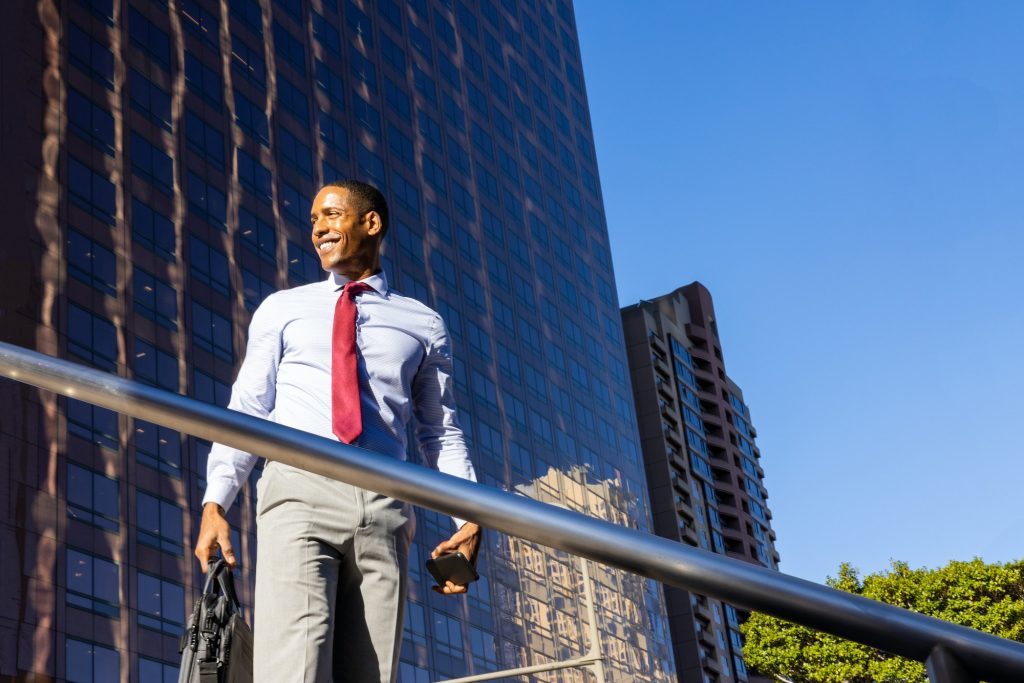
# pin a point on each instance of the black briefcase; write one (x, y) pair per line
(217, 644)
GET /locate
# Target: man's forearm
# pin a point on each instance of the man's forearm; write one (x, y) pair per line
(226, 474)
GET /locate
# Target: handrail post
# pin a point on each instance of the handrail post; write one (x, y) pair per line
(595, 644)
(943, 667)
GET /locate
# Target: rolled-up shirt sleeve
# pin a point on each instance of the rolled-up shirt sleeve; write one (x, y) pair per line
(440, 438)
(254, 393)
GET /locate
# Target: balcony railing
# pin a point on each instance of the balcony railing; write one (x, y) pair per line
(951, 653)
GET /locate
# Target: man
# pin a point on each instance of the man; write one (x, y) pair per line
(350, 359)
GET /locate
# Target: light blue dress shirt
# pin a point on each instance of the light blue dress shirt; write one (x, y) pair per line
(405, 371)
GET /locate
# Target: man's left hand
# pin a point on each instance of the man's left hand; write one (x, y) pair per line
(467, 541)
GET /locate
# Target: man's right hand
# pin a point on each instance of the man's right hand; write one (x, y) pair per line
(214, 533)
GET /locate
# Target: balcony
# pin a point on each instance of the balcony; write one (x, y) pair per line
(716, 438)
(726, 500)
(659, 371)
(710, 660)
(679, 461)
(705, 372)
(664, 388)
(671, 436)
(706, 387)
(657, 344)
(696, 332)
(688, 534)
(709, 413)
(704, 636)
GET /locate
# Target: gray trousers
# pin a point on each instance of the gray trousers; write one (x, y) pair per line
(331, 565)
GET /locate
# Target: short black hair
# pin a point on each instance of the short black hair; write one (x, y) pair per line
(367, 197)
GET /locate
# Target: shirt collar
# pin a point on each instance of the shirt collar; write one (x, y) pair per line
(379, 282)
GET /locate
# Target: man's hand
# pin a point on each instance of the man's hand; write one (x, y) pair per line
(467, 541)
(214, 533)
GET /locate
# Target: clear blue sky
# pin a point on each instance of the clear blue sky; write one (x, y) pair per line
(847, 178)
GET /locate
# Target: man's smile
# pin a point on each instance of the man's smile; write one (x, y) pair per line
(327, 243)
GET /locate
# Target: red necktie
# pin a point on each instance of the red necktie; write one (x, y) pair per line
(346, 416)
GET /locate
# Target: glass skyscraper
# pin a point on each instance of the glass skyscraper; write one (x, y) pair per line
(159, 164)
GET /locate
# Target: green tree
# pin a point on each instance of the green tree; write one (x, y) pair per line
(987, 597)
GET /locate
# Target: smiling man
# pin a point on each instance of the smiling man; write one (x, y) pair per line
(353, 360)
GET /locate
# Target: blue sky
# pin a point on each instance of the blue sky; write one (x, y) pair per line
(848, 181)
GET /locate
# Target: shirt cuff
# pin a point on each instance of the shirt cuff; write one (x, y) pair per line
(222, 493)
(459, 523)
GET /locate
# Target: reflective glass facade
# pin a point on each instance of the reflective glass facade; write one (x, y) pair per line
(161, 162)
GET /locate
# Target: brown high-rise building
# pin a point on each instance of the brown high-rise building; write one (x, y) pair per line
(703, 466)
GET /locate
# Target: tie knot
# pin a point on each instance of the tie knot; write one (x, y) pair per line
(354, 287)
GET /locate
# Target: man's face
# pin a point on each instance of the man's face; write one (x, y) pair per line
(345, 239)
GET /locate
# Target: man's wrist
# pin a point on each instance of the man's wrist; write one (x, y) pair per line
(212, 508)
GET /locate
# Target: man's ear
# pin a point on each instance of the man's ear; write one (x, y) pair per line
(374, 224)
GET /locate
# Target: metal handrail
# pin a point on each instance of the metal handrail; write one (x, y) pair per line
(952, 653)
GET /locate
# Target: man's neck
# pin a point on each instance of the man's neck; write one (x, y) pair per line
(359, 273)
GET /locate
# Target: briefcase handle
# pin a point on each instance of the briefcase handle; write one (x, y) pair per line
(218, 573)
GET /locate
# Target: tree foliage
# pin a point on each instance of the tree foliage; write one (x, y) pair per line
(987, 597)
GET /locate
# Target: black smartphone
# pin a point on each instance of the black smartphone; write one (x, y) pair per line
(452, 567)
